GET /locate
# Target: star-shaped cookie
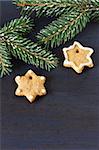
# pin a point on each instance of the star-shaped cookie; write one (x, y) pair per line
(77, 57)
(30, 85)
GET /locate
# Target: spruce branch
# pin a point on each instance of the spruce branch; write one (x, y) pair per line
(20, 25)
(49, 7)
(31, 53)
(73, 16)
(94, 3)
(95, 12)
(5, 64)
(12, 43)
(52, 7)
(64, 28)
(95, 15)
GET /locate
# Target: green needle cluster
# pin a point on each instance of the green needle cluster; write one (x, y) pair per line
(72, 17)
(12, 43)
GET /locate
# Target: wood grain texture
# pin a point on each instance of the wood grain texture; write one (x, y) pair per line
(67, 118)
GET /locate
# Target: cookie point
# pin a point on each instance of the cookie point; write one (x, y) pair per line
(17, 92)
(30, 98)
(42, 78)
(65, 64)
(43, 91)
(30, 71)
(91, 65)
(91, 51)
(64, 49)
(17, 78)
(76, 42)
(79, 71)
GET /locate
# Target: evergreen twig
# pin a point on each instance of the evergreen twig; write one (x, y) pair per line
(5, 64)
(20, 25)
(12, 43)
(64, 28)
(73, 16)
(52, 7)
(31, 53)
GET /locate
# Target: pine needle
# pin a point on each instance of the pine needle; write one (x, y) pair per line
(31, 53)
(20, 25)
(72, 17)
(52, 7)
(12, 43)
(64, 28)
(5, 64)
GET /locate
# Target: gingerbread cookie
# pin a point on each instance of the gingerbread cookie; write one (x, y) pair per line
(77, 57)
(30, 85)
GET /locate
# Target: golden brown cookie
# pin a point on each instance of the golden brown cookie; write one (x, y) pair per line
(30, 85)
(77, 57)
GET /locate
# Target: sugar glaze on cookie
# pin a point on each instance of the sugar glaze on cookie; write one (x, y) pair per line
(77, 57)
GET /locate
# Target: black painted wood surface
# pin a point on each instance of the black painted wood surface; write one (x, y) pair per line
(67, 118)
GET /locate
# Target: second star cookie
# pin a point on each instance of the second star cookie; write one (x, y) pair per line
(77, 57)
(30, 85)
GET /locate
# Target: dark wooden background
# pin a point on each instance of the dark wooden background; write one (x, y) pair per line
(67, 118)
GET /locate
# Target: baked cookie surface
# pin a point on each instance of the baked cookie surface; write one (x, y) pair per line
(77, 57)
(30, 85)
